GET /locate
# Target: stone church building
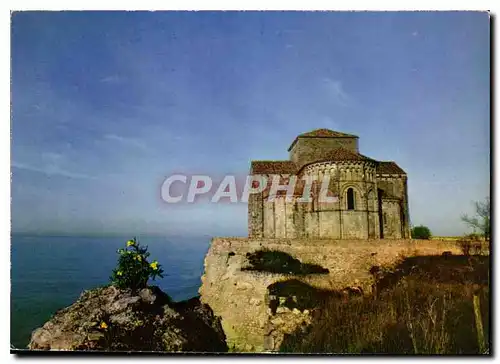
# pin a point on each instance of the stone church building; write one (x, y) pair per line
(372, 196)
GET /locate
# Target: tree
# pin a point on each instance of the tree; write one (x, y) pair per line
(481, 220)
(421, 232)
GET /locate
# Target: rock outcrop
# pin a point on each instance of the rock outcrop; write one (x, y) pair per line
(241, 296)
(111, 319)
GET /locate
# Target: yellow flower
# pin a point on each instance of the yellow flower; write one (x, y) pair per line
(119, 273)
(138, 257)
(154, 265)
(103, 325)
(130, 243)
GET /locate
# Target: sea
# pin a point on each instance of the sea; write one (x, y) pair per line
(50, 272)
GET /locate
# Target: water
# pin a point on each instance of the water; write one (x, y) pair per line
(50, 272)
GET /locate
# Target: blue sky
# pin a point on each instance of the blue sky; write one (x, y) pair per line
(105, 105)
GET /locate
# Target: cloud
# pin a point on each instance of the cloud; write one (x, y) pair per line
(415, 33)
(112, 79)
(126, 141)
(51, 170)
(52, 157)
(336, 91)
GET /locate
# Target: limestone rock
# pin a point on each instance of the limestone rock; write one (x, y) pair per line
(255, 301)
(110, 319)
(244, 285)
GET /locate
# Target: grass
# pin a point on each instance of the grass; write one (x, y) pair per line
(273, 261)
(424, 306)
(456, 238)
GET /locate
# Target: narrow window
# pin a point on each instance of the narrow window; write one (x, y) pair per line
(350, 199)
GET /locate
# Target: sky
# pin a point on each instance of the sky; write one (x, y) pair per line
(106, 105)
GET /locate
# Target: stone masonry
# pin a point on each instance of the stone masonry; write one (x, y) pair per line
(372, 195)
(368, 225)
(241, 298)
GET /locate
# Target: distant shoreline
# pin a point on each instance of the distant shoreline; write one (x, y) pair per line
(108, 235)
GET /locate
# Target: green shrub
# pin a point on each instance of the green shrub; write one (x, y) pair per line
(421, 232)
(274, 261)
(134, 270)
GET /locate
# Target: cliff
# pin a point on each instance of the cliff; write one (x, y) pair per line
(122, 320)
(256, 315)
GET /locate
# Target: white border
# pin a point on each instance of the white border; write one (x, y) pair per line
(164, 5)
(252, 5)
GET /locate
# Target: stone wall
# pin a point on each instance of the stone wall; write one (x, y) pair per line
(292, 219)
(240, 297)
(307, 150)
(396, 186)
(255, 215)
(391, 219)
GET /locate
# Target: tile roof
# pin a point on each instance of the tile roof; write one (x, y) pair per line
(389, 168)
(339, 155)
(326, 133)
(289, 167)
(322, 133)
(273, 167)
(342, 154)
(336, 155)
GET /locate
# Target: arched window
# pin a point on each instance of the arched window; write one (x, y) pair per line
(350, 199)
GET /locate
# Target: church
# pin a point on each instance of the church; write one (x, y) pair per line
(372, 196)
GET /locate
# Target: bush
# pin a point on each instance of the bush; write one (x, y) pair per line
(274, 261)
(471, 244)
(465, 246)
(473, 237)
(421, 232)
(133, 270)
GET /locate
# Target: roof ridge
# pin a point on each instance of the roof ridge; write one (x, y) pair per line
(389, 167)
(273, 166)
(322, 133)
(272, 160)
(352, 152)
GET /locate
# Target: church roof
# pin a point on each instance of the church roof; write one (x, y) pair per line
(273, 167)
(322, 133)
(342, 154)
(339, 155)
(326, 133)
(389, 168)
(289, 167)
(336, 155)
